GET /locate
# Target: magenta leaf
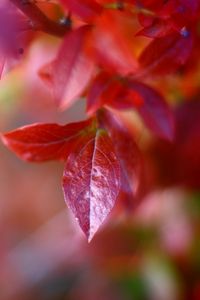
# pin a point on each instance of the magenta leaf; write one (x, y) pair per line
(91, 182)
(42, 142)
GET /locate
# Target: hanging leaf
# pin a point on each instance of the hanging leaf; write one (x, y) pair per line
(96, 90)
(154, 110)
(166, 54)
(91, 182)
(111, 44)
(129, 156)
(157, 29)
(130, 94)
(71, 71)
(42, 142)
(151, 106)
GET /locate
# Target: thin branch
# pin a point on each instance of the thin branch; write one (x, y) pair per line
(39, 21)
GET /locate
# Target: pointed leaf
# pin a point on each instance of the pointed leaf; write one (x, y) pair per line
(91, 182)
(151, 106)
(166, 54)
(130, 94)
(154, 110)
(42, 142)
(71, 71)
(94, 96)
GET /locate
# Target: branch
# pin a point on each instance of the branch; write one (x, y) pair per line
(39, 21)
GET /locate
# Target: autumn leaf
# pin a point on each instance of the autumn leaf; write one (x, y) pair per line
(91, 182)
(111, 44)
(129, 156)
(157, 29)
(71, 71)
(130, 94)
(86, 10)
(95, 98)
(154, 110)
(166, 54)
(42, 142)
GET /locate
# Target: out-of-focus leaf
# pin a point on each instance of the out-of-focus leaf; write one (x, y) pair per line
(131, 94)
(2, 63)
(183, 154)
(71, 71)
(158, 29)
(128, 154)
(91, 182)
(15, 35)
(42, 142)
(154, 110)
(95, 97)
(86, 9)
(111, 44)
(166, 54)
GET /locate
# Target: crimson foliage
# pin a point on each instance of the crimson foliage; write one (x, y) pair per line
(106, 56)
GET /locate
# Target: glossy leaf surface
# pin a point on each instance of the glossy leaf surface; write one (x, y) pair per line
(91, 182)
(42, 142)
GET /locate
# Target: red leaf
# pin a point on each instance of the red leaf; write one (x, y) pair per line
(71, 71)
(158, 29)
(42, 142)
(165, 55)
(85, 9)
(128, 154)
(94, 97)
(91, 182)
(155, 112)
(133, 95)
(111, 43)
(105, 90)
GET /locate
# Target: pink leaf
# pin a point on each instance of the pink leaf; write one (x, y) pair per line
(71, 71)
(91, 182)
(42, 142)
